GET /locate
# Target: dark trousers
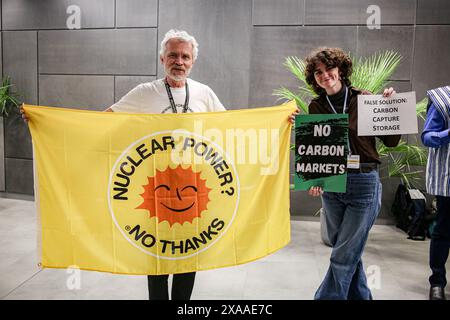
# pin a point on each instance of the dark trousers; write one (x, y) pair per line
(440, 243)
(182, 286)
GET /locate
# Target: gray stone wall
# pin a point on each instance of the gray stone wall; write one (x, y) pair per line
(243, 44)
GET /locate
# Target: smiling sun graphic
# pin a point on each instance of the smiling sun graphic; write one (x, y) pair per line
(175, 195)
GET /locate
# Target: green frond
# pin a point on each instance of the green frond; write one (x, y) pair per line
(373, 73)
(421, 108)
(287, 95)
(8, 100)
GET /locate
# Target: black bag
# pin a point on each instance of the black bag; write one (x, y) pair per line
(411, 215)
(417, 229)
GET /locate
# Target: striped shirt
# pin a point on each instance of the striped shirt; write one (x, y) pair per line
(436, 136)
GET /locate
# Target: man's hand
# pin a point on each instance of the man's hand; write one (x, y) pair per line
(315, 191)
(388, 92)
(291, 117)
(24, 115)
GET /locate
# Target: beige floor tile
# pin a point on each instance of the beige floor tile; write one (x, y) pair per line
(397, 268)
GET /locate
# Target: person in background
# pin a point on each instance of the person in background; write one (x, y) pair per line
(349, 215)
(436, 136)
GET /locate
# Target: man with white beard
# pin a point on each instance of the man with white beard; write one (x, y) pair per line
(175, 93)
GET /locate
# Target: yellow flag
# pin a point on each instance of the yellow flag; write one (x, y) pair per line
(160, 194)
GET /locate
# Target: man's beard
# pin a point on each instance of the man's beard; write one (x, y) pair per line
(177, 77)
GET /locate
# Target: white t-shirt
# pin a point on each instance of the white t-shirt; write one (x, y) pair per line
(151, 97)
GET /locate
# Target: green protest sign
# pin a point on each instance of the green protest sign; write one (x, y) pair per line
(321, 148)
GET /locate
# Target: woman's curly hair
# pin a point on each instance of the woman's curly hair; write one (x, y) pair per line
(330, 57)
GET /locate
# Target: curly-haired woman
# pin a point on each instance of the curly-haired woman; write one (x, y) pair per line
(349, 215)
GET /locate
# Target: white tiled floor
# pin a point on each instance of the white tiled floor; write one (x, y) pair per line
(397, 267)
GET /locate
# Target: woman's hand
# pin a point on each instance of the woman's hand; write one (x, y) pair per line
(24, 115)
(315, 191)
(388, 92)
(291, 117)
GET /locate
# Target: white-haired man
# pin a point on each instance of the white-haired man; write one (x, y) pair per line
(175, 93)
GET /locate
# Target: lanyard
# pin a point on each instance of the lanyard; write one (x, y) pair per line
(345, 102)
(343, 112)
(172, 102)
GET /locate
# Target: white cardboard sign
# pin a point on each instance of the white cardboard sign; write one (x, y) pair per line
(380, 116)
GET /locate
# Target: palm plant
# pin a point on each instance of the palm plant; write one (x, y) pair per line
(372, 74)
(7, 99)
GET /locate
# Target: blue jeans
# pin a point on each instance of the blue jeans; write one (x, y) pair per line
(440, 243)
(349, 217)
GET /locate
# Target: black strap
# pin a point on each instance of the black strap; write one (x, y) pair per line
(172, 101)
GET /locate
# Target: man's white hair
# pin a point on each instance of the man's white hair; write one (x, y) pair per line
(180, 35)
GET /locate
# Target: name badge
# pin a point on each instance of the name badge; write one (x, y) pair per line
(353, 161)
